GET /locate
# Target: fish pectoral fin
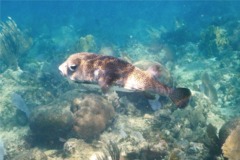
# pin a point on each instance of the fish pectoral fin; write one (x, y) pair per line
(149, 95)
(154, 71)
(154, 103)
(106, 80)
(103, 85)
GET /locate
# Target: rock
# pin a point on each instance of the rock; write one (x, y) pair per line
(21, 118)
(51, 121)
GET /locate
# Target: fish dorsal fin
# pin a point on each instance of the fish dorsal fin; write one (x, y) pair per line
(126, 57)
(154, 70)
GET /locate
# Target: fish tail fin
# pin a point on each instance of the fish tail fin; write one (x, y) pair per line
(180, 96)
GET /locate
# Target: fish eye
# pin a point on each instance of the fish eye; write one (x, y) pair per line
(73, 67)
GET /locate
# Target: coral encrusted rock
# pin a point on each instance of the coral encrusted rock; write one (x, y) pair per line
(92, 114)
(33, 154)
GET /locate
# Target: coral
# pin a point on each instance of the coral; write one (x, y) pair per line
(213, 40)
(112, 150)
(77, 149)
(14, 43)
(109, 51)
(92, 114)
(231, 147)
(132, 134)
(86, 44)
(156, 150)
(187, 129)
(176, 154)
(196, 149)
(221, 37)
(227, 128)
(33, 154)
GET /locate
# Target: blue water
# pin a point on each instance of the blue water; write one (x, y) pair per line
(115, 21)
(189, 38)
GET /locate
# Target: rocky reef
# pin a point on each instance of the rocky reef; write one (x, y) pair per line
(73, 121)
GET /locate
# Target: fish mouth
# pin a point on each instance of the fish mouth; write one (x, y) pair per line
(60, 68)
(62, 73)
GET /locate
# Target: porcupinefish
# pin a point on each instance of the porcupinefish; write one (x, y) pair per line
(108, 71)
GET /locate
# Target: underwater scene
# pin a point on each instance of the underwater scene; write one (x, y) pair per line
(119, 80)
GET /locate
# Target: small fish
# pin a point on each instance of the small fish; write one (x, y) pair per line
(208, 88)
(108, 71)
(20, 104)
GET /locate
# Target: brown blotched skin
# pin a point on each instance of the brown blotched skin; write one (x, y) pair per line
(107, 71)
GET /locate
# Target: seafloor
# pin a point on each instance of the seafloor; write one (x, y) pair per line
(70, 121)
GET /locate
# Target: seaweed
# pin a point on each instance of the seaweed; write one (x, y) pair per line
(112, 150)
(14, 43)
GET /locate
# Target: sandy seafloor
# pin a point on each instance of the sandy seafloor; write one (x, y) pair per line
(200, 53)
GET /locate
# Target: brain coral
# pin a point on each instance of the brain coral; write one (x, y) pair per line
(231, 147)
(92, 114)
(226, 129)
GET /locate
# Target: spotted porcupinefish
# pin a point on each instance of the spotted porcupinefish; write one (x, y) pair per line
(109, 71)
